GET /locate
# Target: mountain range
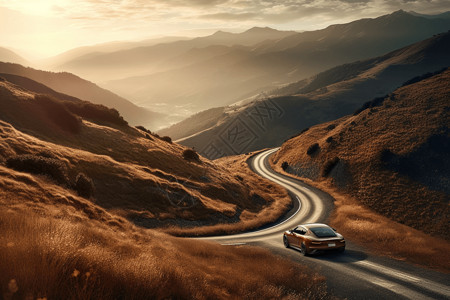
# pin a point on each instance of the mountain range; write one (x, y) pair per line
(281, 113)
(199, 76)
(223, 68)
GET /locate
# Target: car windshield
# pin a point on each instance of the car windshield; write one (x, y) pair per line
(323, 232)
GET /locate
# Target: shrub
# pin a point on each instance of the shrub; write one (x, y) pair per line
(84, 185)
(143, 129)
(166, 139)
(312, 149)
(190, 154)
(96, 113)
(34, 164)
(284, 165)
(329, 165)
(58, 113)
(370, 104)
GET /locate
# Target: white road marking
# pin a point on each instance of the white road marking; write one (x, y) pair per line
(423, 283)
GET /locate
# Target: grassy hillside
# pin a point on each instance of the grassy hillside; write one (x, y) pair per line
(329, 95)
(391, 156)
(77, 87)
(79, 189)
(140, 176)
(58, 245)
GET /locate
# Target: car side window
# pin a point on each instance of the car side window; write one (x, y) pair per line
(299, 231)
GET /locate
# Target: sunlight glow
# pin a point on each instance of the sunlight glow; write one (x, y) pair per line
(47, 27)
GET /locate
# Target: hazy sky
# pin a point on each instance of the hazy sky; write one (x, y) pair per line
(48, 27)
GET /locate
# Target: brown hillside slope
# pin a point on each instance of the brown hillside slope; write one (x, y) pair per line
(57, 245)
(73, 85)
(389, 162)
(392, 158)
(135, 174)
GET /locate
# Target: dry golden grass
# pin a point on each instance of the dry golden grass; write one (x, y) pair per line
(137, 176)
(251, 218)
(370, 195)
(66, 258)
(383, 236)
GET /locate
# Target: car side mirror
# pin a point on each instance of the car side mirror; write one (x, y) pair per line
(334, 229)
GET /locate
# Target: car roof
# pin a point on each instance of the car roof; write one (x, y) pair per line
(314, 225)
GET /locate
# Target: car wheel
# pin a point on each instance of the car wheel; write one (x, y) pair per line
(342, 249)
(285, 241)
(304, 249)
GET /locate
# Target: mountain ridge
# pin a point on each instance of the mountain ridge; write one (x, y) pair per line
(265, 66)
(73, 85)
(326, 96)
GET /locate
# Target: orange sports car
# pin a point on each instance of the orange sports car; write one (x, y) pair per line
(312, 238)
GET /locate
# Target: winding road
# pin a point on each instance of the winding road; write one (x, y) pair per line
(352, 274)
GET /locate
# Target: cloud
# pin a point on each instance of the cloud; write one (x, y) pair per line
(94, 21)
(231, 16)
(276, 11)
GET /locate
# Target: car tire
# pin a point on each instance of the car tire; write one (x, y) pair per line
(342, 249)
(304, 249)
(285, 241)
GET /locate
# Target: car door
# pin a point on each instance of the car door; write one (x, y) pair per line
(292, 237)
(298, 236)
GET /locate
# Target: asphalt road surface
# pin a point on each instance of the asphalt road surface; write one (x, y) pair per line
(353, 274)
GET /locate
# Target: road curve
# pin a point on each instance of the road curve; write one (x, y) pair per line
(352, 274)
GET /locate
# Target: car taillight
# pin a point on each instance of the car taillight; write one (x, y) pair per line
(316, 243)
(342, 241)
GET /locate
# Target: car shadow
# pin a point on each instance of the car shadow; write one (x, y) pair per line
(348, 256)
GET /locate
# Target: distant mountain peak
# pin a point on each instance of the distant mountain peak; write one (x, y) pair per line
(400, 13)
(260, 30)
(220, 33)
